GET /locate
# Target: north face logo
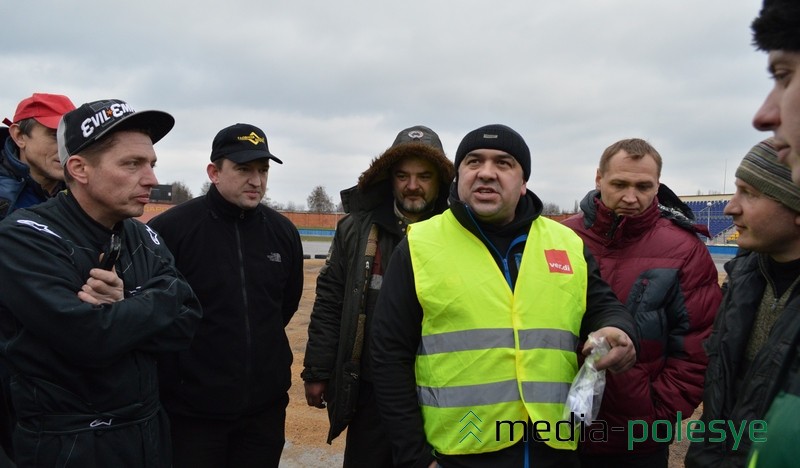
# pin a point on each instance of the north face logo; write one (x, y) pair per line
(558, 261)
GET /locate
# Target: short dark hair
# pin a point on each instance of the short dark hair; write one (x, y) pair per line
(777, 26)
(636, 149)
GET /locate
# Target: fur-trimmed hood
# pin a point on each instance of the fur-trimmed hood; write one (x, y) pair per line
(374, 183)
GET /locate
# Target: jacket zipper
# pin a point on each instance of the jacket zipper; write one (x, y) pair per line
(248, 338)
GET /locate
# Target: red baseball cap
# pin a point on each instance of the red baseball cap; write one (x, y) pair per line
(47, 109)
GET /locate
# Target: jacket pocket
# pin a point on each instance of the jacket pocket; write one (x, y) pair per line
(343, 404)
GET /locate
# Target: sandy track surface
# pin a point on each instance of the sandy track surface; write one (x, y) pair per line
(306, 427)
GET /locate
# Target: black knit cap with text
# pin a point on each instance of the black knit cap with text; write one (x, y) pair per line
(497, 137)
(761, 169)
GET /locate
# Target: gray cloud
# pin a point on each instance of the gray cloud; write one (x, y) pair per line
(332, 83)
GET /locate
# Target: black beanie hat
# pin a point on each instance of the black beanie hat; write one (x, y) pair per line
(498, 137)
(777, 26)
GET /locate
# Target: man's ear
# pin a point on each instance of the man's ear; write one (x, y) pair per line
(78, 168)
(213, 172)
(597, 178)
(16, 134)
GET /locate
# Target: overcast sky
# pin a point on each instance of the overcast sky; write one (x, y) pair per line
(332, 82)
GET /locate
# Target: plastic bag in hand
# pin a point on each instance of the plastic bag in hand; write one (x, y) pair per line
(586, 392)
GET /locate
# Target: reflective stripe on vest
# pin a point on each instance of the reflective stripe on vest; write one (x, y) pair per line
(489, 357)
(497, 338)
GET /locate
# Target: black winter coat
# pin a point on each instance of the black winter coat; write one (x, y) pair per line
(340, 295)
(775, 366)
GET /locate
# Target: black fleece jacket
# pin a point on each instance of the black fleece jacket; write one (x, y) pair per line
(246, 266)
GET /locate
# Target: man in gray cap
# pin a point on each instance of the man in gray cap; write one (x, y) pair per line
(753, 346)
(477, 325)
(88, 297)
(227, 394)
(405, 184)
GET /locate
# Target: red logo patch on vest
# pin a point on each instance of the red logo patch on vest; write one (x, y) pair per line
(558, 261)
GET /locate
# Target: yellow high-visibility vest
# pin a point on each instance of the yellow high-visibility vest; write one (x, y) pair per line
(491, 360)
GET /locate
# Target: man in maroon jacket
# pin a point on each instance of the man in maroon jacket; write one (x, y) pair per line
(646, 243)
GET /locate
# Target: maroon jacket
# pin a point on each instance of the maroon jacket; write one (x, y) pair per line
(663, 273)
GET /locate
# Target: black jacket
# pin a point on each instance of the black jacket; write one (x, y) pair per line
(776, 366)
(247, 269)
(398, 327)
(84, 379)
(340, 295)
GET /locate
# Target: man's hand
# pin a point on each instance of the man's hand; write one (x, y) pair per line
(622, 355)
(102, 287)
(316, 393)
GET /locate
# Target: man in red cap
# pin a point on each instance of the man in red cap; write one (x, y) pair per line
(30, 171)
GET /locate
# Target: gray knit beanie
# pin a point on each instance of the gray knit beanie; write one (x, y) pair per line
(761, 169)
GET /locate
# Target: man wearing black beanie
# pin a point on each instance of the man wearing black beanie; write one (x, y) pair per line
(479, 319)
(499, 137)
(776, 30)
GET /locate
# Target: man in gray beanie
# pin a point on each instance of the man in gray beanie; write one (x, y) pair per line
(479, 319)
(752, 350)
(776, 30)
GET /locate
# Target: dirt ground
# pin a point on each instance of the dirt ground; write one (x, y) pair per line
(307, 427)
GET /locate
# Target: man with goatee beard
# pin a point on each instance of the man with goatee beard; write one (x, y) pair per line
(405, 184)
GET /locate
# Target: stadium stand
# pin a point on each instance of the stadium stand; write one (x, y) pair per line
(709, 212)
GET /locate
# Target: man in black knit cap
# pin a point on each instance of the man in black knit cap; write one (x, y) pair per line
(477, 326)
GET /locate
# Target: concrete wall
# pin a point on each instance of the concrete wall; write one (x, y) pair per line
(313, 220)
(301, 219)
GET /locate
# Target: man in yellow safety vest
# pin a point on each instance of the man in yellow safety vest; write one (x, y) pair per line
(477, 328)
